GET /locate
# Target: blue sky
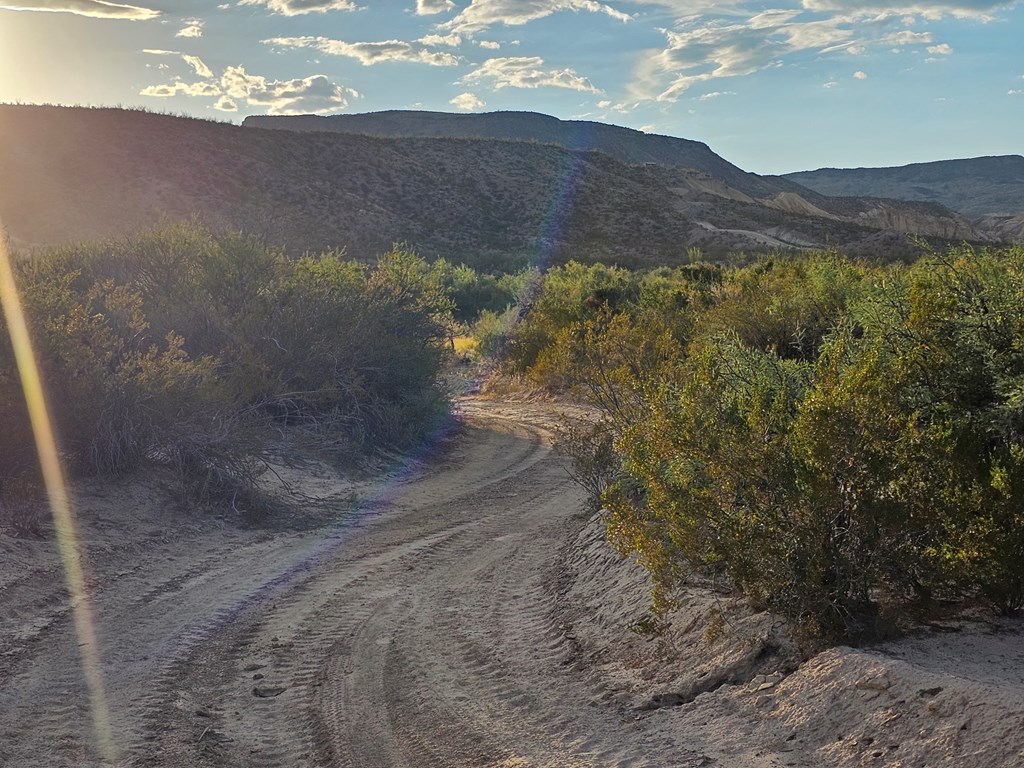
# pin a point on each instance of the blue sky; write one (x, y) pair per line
(773, 86)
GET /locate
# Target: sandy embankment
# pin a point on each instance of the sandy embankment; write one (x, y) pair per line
(947, 696)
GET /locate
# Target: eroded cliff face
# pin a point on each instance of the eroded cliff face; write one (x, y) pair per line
(929, 221)
(1005, 227)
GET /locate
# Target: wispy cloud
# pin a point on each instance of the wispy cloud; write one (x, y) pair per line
(370, 53)
(198, 65)
(907, 37)
(468, 102)
(715, 95)
(736, 43)
(97, 9)
(928, 9)
(942, 49)
(192, 28)
(860, 75)
(482, 14)
(450, 40)
(302, 7)
(527, 72)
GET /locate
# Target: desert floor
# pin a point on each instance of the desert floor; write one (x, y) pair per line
(458, 611)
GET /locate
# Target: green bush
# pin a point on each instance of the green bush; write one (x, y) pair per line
(845, 443)
(177, 345)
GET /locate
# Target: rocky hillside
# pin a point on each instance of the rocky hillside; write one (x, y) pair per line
(623, 144)
(71, 174)
(976, 187)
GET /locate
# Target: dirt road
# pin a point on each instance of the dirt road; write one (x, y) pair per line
(424, 629)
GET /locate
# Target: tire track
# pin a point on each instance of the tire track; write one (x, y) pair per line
(423, 629)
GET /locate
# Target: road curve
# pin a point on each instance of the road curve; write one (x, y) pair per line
(423, 631)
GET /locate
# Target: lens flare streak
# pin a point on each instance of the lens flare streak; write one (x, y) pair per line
(60, 504)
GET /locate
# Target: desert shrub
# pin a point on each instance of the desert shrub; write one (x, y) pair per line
(179, 345)
(570, 294)
(786, 306)
(844, 443)
(595, 464)
(472, 293)
(491, 332)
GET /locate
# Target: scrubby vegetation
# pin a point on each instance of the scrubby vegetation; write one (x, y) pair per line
(842, 442)
(181, 348)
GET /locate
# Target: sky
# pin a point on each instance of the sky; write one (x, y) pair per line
(771, 85)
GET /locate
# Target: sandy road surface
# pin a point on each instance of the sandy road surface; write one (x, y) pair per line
(460, 614)
(424, 631)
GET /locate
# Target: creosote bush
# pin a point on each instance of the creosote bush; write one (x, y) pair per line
(181, 346)
(844, 442)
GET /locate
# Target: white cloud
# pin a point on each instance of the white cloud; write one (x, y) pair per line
(301, 7)
(929, 9)
(165, 91)
(490, 45)
(860, 75)
(198, 65)
(906, 37)
(313, 94)
(430, 7)
(728, 42)
(1014, 91)
(527, 72)
(829, 84)
(942, 49)
(371, 53)
(97, 9)
(468, 102)
(482, 14)
(192, 28)
(715, 95)
(701, 52)
(452, 40)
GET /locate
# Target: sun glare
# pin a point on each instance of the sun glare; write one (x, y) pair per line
(60, 503)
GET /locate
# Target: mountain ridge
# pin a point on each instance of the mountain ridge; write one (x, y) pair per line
(976, 187)
(79, 173)
(627, 145)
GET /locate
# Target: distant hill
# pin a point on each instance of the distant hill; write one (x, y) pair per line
(74, 173)
(976, 187)
(623, 144)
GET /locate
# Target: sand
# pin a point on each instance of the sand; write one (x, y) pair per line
(461, 611)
